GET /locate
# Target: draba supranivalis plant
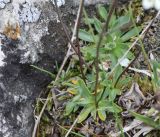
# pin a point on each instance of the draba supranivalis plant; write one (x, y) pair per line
(148, 4)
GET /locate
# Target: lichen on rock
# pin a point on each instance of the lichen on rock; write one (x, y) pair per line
(28, 12)
(3, 3)
(2, 55)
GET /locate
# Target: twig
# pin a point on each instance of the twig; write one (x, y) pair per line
(80, 57)
(77, 40)
(141, 43)
(145, 72)
(141, 36)
(71, 127)
(81, 61)
(69, 53)
(104, 29)
(38, 118)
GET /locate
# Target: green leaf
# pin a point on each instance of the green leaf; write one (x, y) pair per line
(113, 93)
(124, 82)
(86, 36)
(109, 106)
(69, 84)
(156, 79)
(76, 98)
(97, 25)
(75, 108)
(69, 107)
(86, 101)
(102, 115)
(146, 120)
(89, 52)
(115, 108)
(102, 12)
(84, 114)
(110, 45)
(89, 21)
(121, 22)
(117, 73)
(112, 21)
(94, 114)
(105, 94)
(83, 89)
(133, 32)
(49, 105)
(113, 60)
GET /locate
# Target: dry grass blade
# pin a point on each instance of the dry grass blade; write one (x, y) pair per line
(71, 127)
(70, 52)
(38, 118)
(81, 61)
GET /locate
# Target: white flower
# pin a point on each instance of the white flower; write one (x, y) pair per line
(148, 4)
(157, 4)
(125, 62)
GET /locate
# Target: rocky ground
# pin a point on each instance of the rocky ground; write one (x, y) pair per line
(30, 34)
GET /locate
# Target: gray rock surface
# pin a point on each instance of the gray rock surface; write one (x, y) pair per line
(29, 34)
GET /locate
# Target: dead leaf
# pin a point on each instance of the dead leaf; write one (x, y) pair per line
(132, 100)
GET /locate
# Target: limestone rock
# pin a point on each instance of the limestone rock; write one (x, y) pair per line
(28, 35)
